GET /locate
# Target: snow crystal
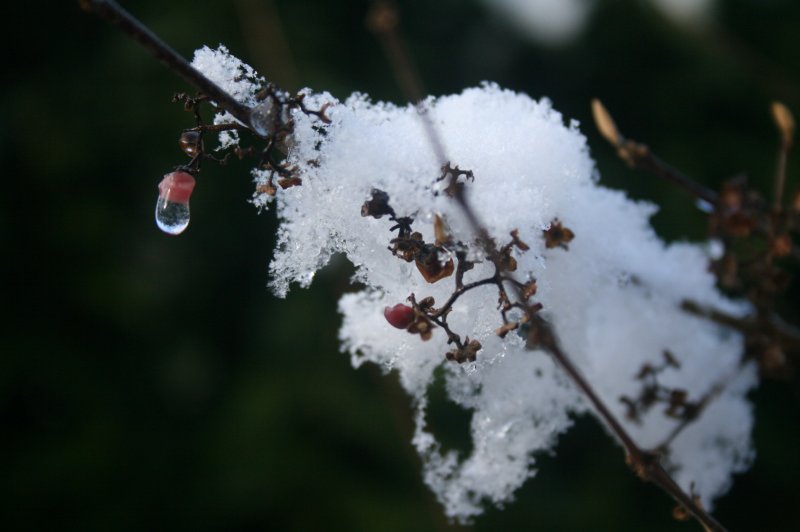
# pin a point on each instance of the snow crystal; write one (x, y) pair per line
(232, 75)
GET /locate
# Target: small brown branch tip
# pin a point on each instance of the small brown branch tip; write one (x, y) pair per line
(638, 155)
(784, 121)
(605, 124)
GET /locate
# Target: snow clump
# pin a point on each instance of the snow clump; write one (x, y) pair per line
(613, 297)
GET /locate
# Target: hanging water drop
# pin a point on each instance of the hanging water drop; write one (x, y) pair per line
(172, 207)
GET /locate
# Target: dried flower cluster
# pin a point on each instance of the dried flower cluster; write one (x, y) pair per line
(753, 245)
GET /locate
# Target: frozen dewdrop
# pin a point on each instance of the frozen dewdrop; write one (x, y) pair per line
(172, 207)
(264, 117)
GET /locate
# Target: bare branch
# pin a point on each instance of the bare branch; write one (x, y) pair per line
(645, 464)
(639, 156)
(114, 14)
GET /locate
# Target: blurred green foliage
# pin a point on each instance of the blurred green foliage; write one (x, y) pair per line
(152, 382)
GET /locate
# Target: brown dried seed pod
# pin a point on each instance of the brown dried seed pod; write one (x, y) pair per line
(529, 289)
(267, 188)
(557, 235)
(441, 234)
(430, 265)
(289, 182)
(605, 124)
(378, 205)
(784, 121)
(506, 328)
(190, 142)
(522, 246)
(467, 353)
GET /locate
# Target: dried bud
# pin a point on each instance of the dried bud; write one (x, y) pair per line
(522, 246)
(740, 224)
(784, 121)
(772, 360)
(407, 247)
(441, 234)
(467, 353)
(731, 196)
(426, 304)
(377, 205)
(190, 142)
(671, 360)
(645, 371)
(422, 327)
(382, 18)
(429, 265)
(557, 235)
(267, 188)
(605, 124)
(506, 328)
(680, 513)
(506, 262)
(289, 182)
(454, 187)
(529, 289)
(677, 402)
(631, 409)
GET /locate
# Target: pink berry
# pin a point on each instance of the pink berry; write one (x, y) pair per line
(176, 187)
(400, 316)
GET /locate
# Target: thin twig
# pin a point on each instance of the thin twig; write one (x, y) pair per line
(697, 410)
(639, 156)
(382, 19)
(645, 464)
(772, 325)
(133, 28)
(784, 121)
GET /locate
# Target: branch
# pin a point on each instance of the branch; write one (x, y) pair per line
(114, 14)
(771, 325)
(697, 410)
(645, 464)
(639, 156)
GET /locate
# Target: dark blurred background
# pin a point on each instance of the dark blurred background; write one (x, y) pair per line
(153, 382)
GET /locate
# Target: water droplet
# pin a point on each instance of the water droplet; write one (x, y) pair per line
(264, 117)
(190, 142)
(704, 206)
(172, 217)
(172, 207)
